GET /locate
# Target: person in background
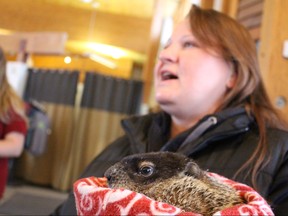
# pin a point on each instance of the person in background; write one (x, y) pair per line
(13, 124)
(214, 109)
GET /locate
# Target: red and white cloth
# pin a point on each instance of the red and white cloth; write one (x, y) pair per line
(92, 197)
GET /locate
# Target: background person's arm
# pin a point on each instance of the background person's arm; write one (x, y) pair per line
(12, 144)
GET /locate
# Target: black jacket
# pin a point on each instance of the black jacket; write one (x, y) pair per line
(220, 143)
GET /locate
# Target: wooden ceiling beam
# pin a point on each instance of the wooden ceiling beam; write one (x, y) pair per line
(114, 29)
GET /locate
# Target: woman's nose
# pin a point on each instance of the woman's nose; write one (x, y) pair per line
(169, 54)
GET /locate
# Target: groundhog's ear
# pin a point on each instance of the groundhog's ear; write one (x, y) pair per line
(192, 169)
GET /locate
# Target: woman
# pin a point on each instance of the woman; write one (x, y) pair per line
(12, 124)
(215, 110)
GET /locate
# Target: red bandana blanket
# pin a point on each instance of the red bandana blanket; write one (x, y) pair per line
(94, 198)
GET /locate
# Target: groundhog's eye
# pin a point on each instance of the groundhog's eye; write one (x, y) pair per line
(146, 170)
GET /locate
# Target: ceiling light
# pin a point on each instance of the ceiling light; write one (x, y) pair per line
(96, 5)
(104, 49)
(87, 1)
(67, 60)
(104, 61)
(84, 47)
(5, 31)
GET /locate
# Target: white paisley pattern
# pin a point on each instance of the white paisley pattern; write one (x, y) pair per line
(94, 198)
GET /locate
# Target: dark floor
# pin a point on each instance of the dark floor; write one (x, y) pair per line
(27, 199)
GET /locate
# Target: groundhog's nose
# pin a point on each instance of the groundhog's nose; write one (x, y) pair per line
(109, 174)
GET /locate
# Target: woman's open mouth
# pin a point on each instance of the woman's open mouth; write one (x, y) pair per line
(166, 75)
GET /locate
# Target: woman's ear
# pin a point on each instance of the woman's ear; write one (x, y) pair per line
(231, 80)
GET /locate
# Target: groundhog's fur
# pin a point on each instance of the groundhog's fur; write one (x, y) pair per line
(174, 179)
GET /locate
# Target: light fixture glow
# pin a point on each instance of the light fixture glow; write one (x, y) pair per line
(87, 1)
(67, 60)
(5, 31)
(103, 61)
(96, 5)
(104, 49)
(85, 47)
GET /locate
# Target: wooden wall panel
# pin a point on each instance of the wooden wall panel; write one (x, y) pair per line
(230, 7)
(153, 47)
(123, 70)
(273, 65)
(249, 14)
(206, 4)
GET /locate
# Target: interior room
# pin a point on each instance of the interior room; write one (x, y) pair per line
(87, 64)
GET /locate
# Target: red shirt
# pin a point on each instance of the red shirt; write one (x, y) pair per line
(17, 124)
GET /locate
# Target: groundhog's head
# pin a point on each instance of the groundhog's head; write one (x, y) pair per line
(141, 170)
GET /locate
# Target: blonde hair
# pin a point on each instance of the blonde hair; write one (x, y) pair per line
(232, 41)
(9, 100)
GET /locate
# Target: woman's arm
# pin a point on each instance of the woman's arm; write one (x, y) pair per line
(12, 144)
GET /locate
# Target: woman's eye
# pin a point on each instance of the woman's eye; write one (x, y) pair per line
(189, 44)
(146, 170)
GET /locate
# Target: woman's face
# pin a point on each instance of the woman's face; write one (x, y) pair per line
(190, 80)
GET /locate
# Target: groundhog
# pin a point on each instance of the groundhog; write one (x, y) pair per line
(174, 179)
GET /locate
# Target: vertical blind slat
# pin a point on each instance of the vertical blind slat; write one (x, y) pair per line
(111, 94)
(51, 86)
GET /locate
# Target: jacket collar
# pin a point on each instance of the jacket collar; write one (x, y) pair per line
(151, 132)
